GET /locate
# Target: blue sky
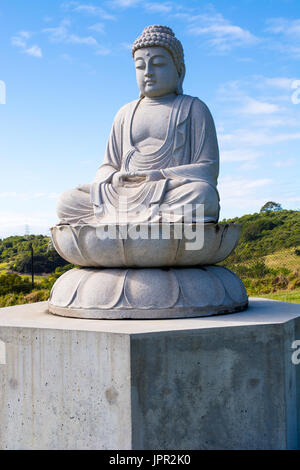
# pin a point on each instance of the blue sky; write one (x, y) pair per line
(67, 69)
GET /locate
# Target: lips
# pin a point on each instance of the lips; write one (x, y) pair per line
(150, 82)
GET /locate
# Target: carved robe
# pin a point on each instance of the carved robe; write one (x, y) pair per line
(188, 160)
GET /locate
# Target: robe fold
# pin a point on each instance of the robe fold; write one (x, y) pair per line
(188, 160)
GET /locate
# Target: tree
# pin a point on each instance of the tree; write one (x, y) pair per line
(13, 283)
(271, 206)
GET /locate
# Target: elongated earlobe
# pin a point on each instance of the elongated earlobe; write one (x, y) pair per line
(179, 89)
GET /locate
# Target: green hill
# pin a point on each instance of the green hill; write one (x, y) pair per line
(267, 257)
(15, 254)
(265, 233)
(15, 269)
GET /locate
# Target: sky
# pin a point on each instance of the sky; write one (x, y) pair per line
(66, 69)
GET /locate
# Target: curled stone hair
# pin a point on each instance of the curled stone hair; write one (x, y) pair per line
(163, 36)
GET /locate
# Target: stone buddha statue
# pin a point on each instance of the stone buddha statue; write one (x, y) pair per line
(161, 165)
(162, 155)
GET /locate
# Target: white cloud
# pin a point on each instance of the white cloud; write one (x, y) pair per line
(243, 186)
(58, 33)
(8, 194)
(220, 33)
(240, 195)
(278, 82)
(259, 126)
(150, 7)
(20, 41)
(284, 121)
(88, 40)
(293, 200)
(165, 7)
(269, 88)
(248, 166)
(93, 11)
(243, 193)
(25, 34)
(15, 222)
(102, 50)
(253, 106)
(27, 195)
(124, 3)
(284, 26)
(35, 51)
(239, 155)
(285, 163)
(285, 46)
(62, 34)
(250, 137)
(288, 32)
(98, 27)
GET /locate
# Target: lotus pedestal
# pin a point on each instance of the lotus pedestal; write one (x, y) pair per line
(146, 278)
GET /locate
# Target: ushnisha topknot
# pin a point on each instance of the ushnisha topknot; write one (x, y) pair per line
(162, 36)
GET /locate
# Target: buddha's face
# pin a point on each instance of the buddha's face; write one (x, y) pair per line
(156, 73)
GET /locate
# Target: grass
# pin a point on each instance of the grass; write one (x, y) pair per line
(9, 300)
(284, 259)
(284, 296)
(37, 278)
(4, 266)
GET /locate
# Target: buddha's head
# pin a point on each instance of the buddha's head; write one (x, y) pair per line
(159, 62)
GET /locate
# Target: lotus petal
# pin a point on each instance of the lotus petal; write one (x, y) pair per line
(101, 289)
(233, 285)
(200, 288)
(151, 288)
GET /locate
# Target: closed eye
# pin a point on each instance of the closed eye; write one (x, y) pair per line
(140, 64)
(159, 64)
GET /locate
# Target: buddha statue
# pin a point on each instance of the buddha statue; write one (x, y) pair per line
(162, 155)
(161, 165)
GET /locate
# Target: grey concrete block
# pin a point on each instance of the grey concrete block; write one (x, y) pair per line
(222, 382)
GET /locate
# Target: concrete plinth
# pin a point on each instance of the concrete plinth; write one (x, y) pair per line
(223, 382)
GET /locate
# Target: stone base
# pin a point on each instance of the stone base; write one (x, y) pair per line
(223, 382)
(147, 293)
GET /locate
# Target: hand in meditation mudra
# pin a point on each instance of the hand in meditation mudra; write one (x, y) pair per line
(162, 157)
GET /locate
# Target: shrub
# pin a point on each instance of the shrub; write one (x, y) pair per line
(13, 283)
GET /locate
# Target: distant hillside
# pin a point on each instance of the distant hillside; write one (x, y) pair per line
(266, 233)
(267, 257)
(15, 254)
(15, 269)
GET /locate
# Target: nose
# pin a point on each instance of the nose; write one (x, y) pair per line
(148, 70)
